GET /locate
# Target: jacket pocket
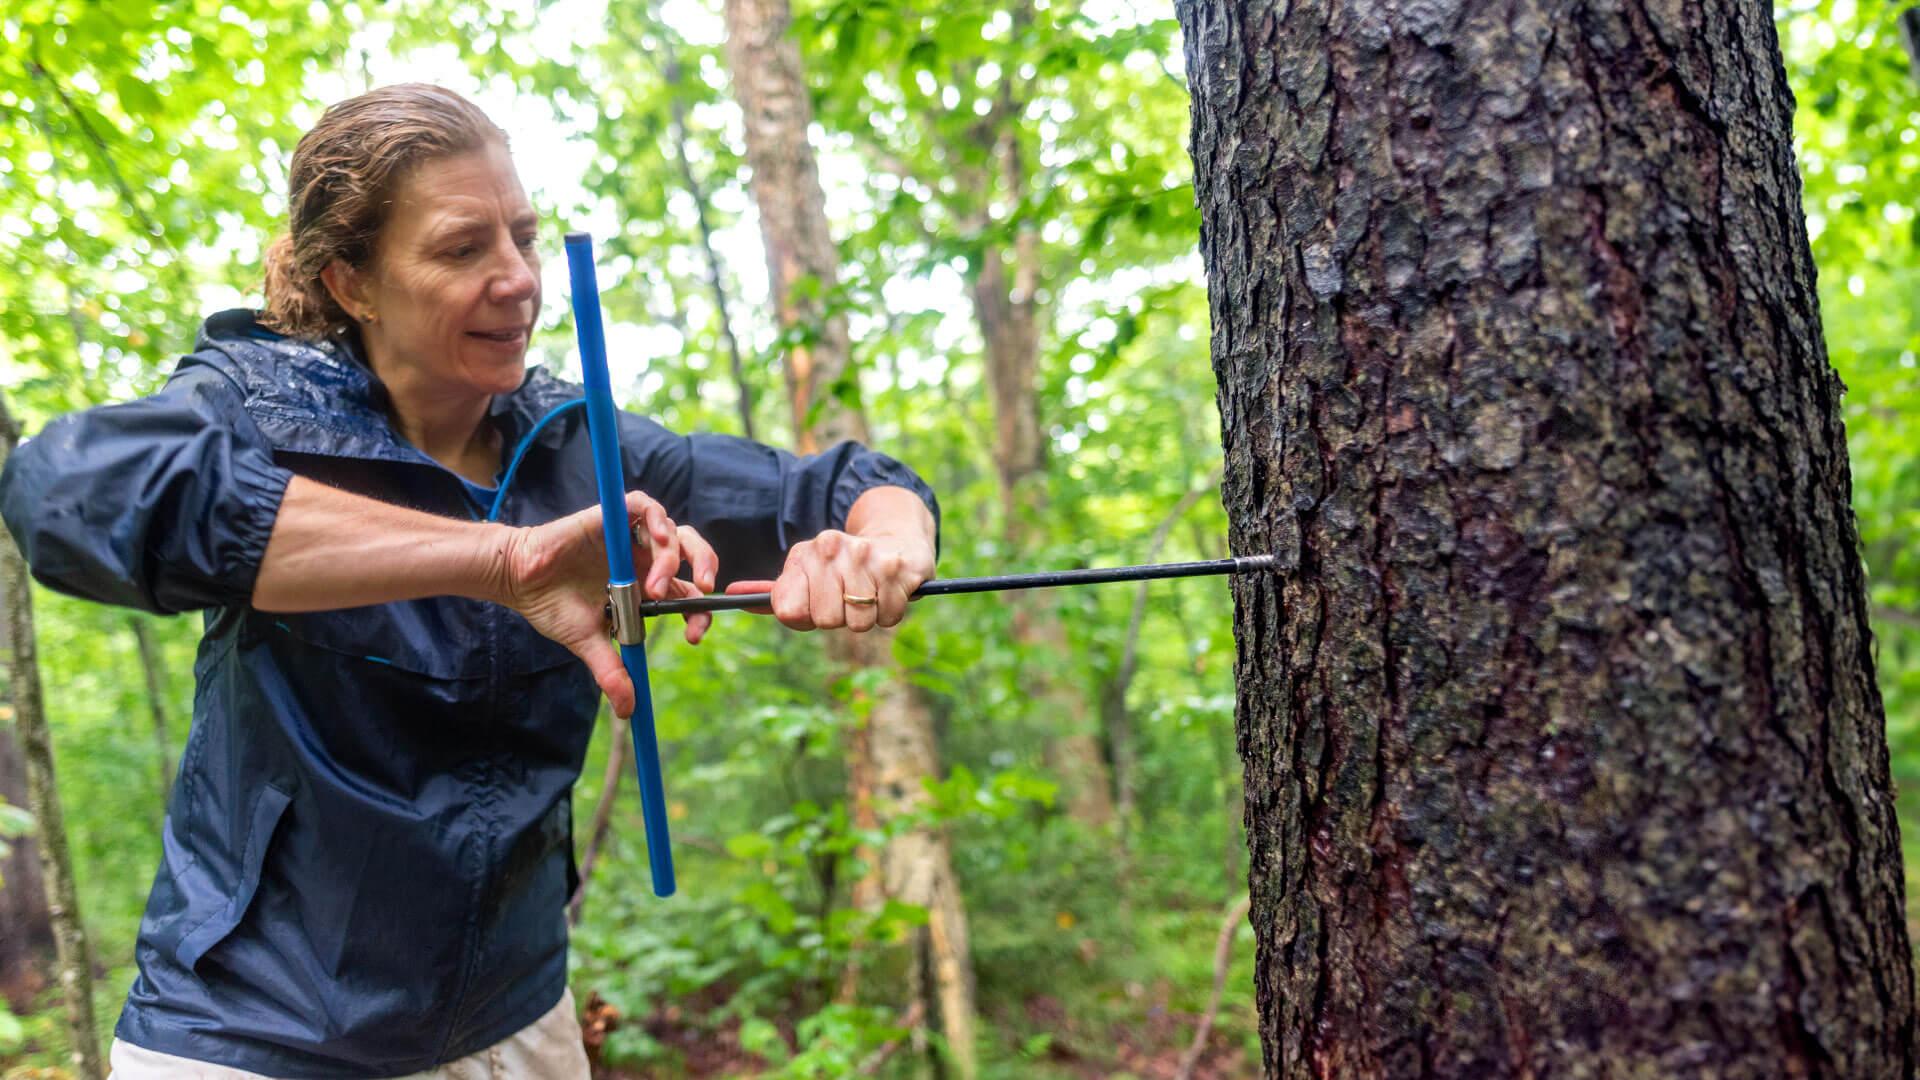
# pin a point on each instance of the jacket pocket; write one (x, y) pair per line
(443, 637)
(268, 807)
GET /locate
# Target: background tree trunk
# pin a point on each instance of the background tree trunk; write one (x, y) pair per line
(156, 702)
(26, 926)
(1005, 295)
(1563, 749)
(803, 265)
(895, 750)
(75, 960)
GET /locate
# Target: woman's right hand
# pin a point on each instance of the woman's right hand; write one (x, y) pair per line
(556, 576)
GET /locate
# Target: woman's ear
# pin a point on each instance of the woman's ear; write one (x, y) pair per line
(349, 289)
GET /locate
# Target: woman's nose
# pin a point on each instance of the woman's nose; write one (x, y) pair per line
(515, 276)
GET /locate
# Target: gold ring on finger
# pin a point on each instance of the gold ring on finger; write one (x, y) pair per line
(861, 601)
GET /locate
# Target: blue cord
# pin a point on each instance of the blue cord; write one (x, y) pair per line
(500, 496)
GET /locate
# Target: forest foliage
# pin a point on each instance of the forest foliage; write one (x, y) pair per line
(143, 150)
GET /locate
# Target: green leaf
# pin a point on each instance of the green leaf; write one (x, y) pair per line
(14, 820)
(759, 1036)
(749, 847)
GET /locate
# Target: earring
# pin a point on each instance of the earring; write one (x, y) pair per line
(367, 317)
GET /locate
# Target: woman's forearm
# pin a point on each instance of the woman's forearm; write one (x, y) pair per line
(333, 549)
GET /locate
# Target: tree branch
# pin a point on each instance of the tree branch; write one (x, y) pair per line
(38, 71)
(1129, 659)
(602, 819)
(671, 74)
(1119, 721)
(1895, 616)
(156, 701)
(909, 1019)
(1910, 37)
(1222, 959)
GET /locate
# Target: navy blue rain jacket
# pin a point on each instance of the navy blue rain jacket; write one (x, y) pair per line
(367, 851)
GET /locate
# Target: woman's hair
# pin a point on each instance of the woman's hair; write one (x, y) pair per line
(341, 185)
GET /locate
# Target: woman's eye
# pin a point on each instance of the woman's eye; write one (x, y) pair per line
(462, 251)
(527, 241)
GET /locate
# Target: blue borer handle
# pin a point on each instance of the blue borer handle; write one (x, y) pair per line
(605, 431)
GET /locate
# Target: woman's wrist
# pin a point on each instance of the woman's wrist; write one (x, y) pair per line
(492, 561)
(892, 513)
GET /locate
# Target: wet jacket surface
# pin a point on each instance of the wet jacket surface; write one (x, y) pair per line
(367, 850)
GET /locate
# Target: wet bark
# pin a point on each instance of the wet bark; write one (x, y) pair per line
(74, 961)
(1562, 744)
(893, 750)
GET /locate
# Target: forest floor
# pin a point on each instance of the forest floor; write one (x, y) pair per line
(1151, 1048)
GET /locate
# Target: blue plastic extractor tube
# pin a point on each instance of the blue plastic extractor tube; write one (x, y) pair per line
(603, 425)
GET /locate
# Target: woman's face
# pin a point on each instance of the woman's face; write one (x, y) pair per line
(454, 284)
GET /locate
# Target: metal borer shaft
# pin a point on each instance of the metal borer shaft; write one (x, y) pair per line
(1246, 564)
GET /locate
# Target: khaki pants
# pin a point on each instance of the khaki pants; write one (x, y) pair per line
(550, 1048)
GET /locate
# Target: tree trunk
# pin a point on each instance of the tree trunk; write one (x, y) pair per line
(156, 702)
(26, 926)
(803, 274)
(74, 959)
(1005, 304)
(803, 265)
(1563, 749)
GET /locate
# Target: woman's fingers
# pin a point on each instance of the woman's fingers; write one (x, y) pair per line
(820, 574)
(898, 581)
(654, 531)
(792, 593)
(645, 510)
(826, 564)
(603, 660)
(856, 575)
(739, 588)
(860, 595)
(894, 597)
(699, 622)
(706, 564)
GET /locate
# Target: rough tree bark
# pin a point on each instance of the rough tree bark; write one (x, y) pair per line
(74, 958)
(1563, 749)
(894, 750)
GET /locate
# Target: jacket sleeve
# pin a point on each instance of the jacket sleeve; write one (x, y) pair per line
(753, 502)
(163, 504)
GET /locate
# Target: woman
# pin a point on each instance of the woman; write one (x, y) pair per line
(367, 852)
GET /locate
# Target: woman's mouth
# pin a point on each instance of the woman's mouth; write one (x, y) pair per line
(512, 336)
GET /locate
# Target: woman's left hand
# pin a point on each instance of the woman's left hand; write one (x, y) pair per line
(838, 579)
